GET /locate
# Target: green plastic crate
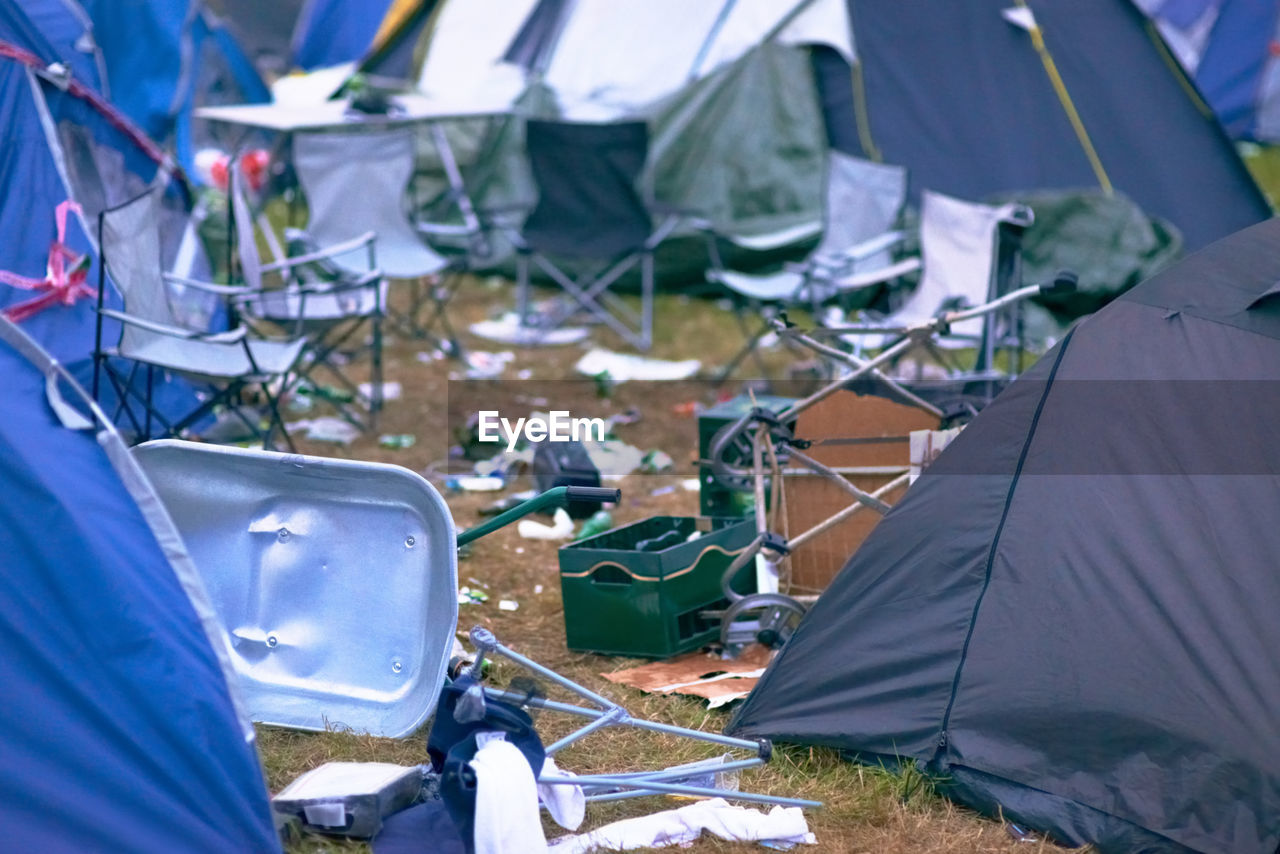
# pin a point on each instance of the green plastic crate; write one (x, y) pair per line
(619, 600)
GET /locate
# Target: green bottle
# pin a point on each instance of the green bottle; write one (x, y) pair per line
(598, 523)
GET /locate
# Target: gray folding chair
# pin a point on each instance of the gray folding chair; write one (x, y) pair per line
(356, 181)
(333, 308)
(861, 203)
(590, 226)
(152, 336)
(970, 257)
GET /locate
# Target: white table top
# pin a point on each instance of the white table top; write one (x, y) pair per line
(332, 115)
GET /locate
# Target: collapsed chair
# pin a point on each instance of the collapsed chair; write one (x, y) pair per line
(473, 806)
(152, 336)
(366, 644)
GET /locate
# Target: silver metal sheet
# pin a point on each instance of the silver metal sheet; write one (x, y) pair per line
(336, 580)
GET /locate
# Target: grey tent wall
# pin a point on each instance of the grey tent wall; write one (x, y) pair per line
(959, 95)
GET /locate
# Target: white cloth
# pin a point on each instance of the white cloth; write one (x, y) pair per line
(676, 827)
(567, 804)
(507, 817)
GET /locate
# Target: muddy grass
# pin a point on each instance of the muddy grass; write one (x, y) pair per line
(866, 809)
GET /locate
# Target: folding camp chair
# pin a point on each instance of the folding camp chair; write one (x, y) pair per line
(969, 256)
(590, 214)
(862, 202)
(329, 306)
(357, 181)
(152, 336)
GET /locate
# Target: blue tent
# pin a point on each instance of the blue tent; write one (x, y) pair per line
(164, 58)
(119, 731)
(85, 152)
(57, 31)
(1231, 49)
(331, 32)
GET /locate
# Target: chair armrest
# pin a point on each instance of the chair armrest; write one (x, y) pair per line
(875, 277)
(842, 259)
(210, 287)
(231, 336)
(337, 286)
(321, 254)
(443, 229)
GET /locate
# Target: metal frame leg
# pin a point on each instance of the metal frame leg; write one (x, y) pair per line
(611, 714)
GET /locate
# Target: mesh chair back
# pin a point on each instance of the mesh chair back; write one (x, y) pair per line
(863, 200)
(586, 174)
(246, 238)
(355, 182)
(130, 235)
(958, 243)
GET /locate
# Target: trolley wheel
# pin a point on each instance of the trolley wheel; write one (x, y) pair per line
(766, 618)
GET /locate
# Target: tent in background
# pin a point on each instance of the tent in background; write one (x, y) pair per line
(961, 95)
(164, 59)
(332, 32)
(1120, 497)
(66, 32)
(89, 153)
(745, 97)
(1230, 48)
(119, 730)
(265, 30)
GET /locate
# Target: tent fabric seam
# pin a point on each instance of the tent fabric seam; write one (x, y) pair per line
(1191, 312)
(995, 544)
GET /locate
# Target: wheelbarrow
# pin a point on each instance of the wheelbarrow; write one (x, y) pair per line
(336, 580)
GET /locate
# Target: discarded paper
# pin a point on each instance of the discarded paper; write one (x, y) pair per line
(699, 675)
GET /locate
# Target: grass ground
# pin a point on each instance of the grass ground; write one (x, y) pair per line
(866, 809)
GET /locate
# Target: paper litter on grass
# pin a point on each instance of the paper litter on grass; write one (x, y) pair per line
(326, 429)
(697, 674)
(622, 367)
(390, 390)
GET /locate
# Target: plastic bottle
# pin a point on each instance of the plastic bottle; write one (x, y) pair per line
(597, 523)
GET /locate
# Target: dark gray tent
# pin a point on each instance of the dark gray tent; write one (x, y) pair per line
(1072, 615)
(963, 95)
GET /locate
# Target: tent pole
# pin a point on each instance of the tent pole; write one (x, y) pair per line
(712, 34)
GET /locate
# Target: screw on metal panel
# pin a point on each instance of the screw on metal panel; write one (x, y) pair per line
(396, 666)
(282, 535)
(408, 542)
(272, 640)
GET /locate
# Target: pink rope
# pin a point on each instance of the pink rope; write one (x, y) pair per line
(65, 279)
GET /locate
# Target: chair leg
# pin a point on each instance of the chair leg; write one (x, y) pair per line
(750, 348)
(375, 404)
(146, 430)
(439, 297)
(273, 416)
(646, 300)
(522, 288)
